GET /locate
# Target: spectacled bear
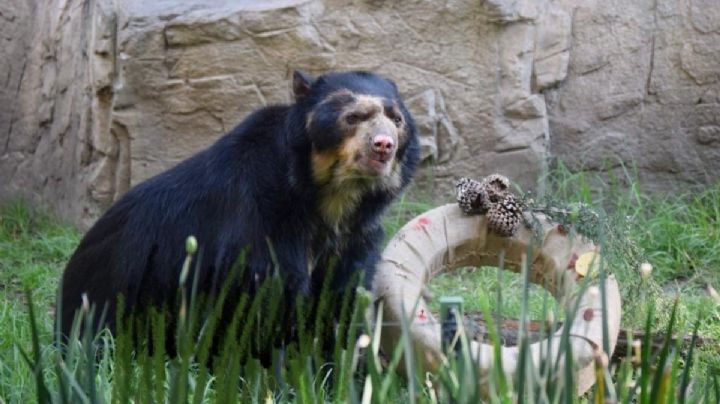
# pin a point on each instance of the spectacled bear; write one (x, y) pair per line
(299, 187)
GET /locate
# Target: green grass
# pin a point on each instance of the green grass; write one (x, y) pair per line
(679, 235)
(476, 284)
(33, 250)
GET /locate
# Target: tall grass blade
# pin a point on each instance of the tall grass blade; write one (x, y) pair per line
(659, 386)
(409, 353)
(645, 360)
(36, 364)
(685, 379)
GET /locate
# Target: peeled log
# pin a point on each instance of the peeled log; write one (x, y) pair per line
(444, 239)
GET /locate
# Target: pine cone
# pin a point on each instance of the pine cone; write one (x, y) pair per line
(471, 196)
(504, 216)
(500, 182)
(496, 186)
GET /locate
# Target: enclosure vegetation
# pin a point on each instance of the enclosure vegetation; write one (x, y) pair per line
(678, 235)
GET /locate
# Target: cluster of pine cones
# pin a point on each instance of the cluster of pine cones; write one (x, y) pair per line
(492, 198)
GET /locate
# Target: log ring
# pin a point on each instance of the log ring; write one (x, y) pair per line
(445, 238)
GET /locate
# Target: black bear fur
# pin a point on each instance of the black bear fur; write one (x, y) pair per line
(264, 188)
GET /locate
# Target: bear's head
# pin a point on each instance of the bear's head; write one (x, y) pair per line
(363, 139)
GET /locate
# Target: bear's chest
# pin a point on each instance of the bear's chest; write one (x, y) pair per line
(328, 243)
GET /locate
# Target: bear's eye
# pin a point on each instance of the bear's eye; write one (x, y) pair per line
(397, 120)
(353, 118)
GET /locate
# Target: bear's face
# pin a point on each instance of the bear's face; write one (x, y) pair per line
(358, 128)
(355, 137)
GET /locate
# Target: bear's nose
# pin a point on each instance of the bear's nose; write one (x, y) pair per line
(383, 144)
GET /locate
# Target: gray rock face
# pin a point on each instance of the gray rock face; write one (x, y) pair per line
(642, 90)
(98, 95)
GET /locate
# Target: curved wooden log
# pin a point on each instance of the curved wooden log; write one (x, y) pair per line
(445, 238)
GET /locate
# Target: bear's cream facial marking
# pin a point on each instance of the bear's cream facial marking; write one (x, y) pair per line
(370, 130)
(367, 133)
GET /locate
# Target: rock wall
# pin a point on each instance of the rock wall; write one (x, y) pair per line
(98, 95)
(55, 108)
(643, 91)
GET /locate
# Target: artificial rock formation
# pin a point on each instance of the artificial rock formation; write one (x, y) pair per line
(97, 95)
(643, 89)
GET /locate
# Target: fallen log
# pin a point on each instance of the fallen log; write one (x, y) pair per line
(509, 334)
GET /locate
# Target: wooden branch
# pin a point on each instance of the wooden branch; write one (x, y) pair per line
(537, 330)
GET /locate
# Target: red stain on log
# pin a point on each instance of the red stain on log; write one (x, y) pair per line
(421, 223)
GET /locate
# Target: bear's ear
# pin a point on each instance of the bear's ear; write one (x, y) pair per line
(301, 84)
